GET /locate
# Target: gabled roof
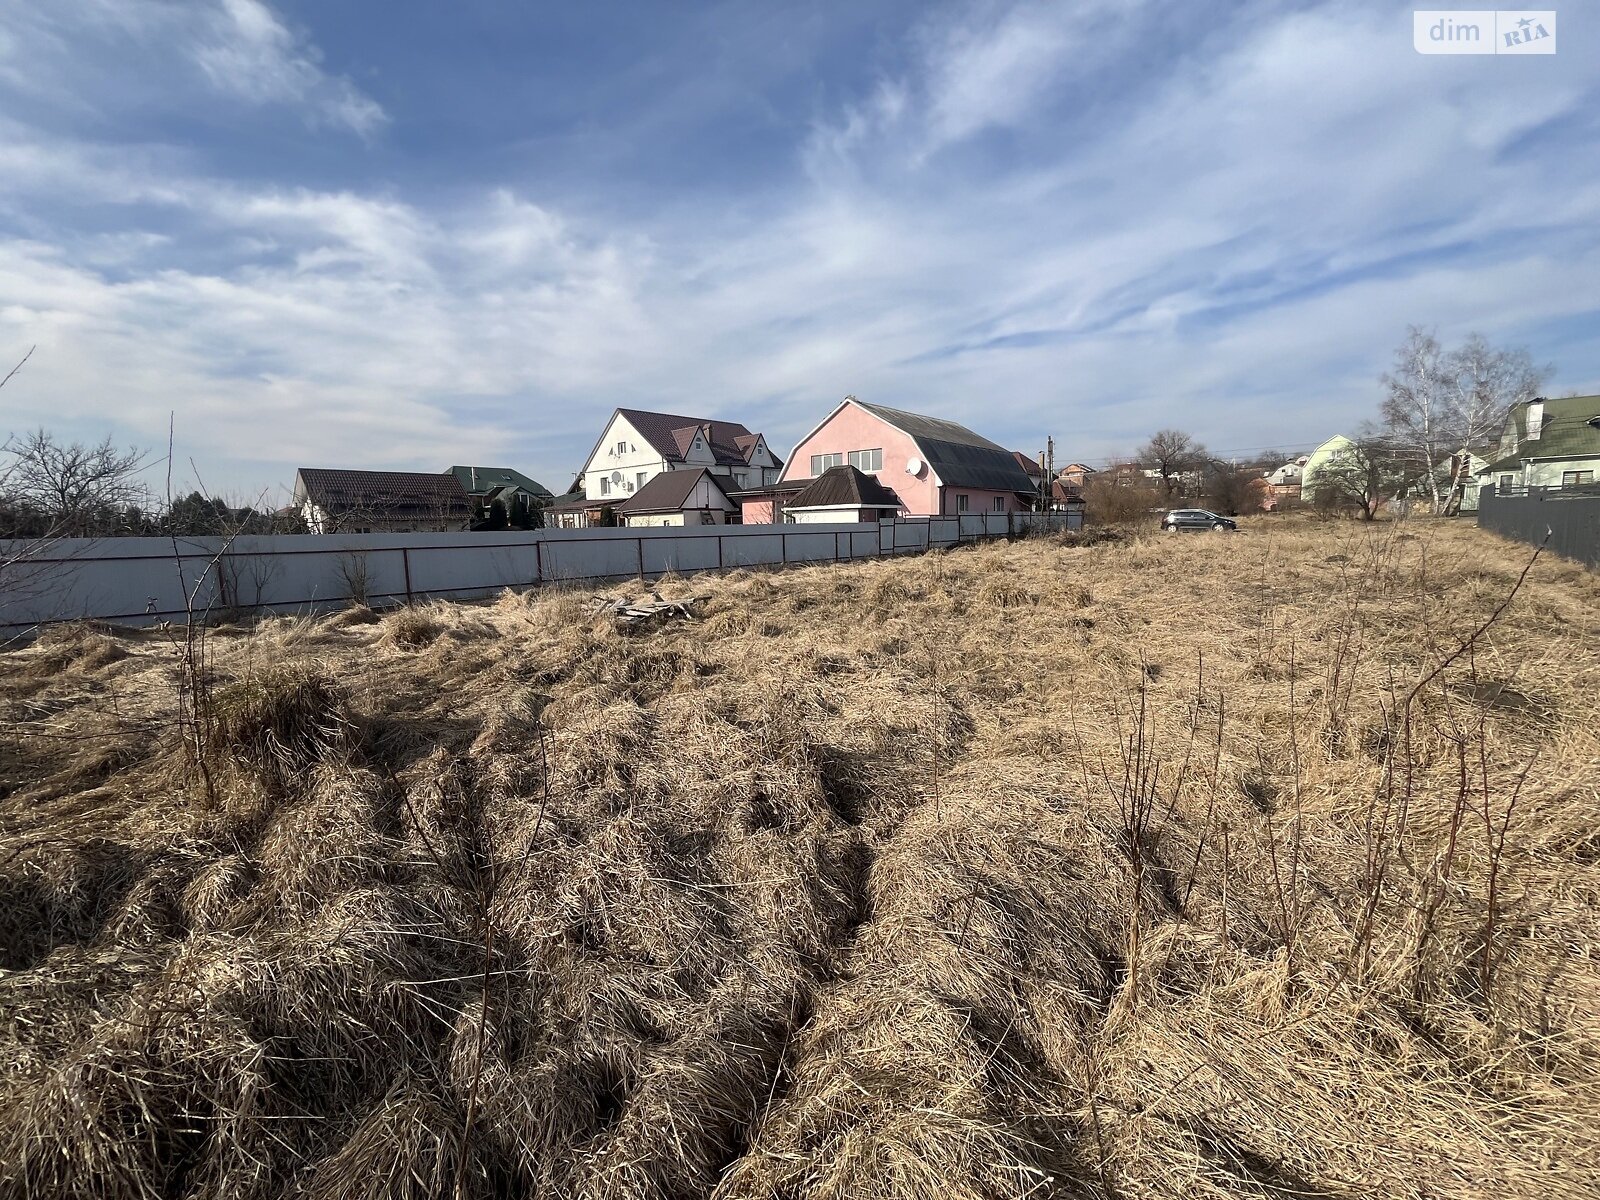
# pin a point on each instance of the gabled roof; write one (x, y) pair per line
(573, 501)
(1076, 469)
(669, 491)
(390, 493)
(476, 481)
(844, 487)
(1029, 465)
(671, 435)
(748, 442)
(1570, 428)
(958, 456)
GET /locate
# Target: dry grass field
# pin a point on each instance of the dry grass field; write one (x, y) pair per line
(1164, 866)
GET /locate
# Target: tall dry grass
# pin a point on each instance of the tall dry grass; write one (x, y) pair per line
(1166, 866)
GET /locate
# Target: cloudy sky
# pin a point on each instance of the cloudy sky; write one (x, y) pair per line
(400, 233)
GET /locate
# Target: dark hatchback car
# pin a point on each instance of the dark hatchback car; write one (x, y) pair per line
(1196, 518)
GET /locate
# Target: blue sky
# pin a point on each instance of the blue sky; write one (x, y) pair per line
(406, 234)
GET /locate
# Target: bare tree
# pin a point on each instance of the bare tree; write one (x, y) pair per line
(1362, 475)
(78, 490)
(1483, 385)
(1172, 453)
(1416, 413)
(1445, 404)
(1232, 490)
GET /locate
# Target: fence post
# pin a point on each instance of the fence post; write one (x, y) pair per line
(405, 562)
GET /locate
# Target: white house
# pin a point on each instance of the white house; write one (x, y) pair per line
(1548, 443)
(636, 446)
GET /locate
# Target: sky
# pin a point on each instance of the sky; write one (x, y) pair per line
(400, 234)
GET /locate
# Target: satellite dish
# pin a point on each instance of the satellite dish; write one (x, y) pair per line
(616, 477)
(913, 466)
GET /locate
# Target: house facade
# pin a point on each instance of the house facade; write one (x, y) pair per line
(636, 446)
(694, 496)
(1319, 460)
(1547, 443)
(337, 501)
(935, 467)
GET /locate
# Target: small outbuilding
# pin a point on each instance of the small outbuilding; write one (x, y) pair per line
(842, 494)
(681, 497)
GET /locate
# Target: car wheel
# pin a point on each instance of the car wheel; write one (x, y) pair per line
(1219, 527)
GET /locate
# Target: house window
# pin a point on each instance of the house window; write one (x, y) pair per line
(622, 447)
(999, 504)
(1505, 484)
(823, 462)
(643, 475)
(707, 519)
(961, 502)
(1575, 478)
(867, 460)
(605, 487)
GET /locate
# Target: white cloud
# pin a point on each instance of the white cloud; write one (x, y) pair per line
(1236, 243)
(245, 50)
(75, 54)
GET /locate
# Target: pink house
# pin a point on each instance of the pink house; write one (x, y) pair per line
(934, 466)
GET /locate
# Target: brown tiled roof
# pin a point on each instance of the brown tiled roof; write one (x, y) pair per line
(1031, 466)
(748, 442)
(668, 491)
(387, 493)
(671, 435)
(845, 486)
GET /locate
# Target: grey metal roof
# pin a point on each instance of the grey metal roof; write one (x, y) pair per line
(958, 456)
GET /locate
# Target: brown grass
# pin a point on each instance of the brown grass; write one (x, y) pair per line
(1138, 868)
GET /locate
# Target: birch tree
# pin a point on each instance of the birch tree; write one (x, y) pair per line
(1483, 385)
(1416, 410)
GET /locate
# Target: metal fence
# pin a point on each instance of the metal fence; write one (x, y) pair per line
(146, 580)
(1569, 517)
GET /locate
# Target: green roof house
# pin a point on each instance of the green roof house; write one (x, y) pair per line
(480, 481)
(1547, 443)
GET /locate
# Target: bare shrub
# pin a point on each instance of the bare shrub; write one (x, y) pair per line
(411, 627)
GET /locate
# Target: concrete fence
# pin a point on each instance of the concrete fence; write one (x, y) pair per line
(146, 580)
(1571, 517)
